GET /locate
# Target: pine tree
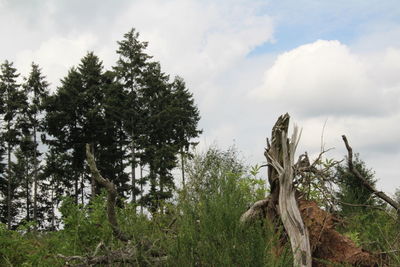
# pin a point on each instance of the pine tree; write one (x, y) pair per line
(90, 106)
(62, 123)
(186, 118)
(12, 104)
(36, 87)
(129, 70)
(83, 110)
(112, 161)
(158, 141)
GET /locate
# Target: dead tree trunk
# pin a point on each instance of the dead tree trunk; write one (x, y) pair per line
(274, 150)
(288, 208)
(281, 205)
(310, 229)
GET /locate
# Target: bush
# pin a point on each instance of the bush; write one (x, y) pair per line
(210, 234)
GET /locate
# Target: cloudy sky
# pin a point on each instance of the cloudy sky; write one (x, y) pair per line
(333, 63)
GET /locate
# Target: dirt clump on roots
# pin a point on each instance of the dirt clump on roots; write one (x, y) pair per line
(327, 244)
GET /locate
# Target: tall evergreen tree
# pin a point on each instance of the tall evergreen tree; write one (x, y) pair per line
(158, 140)
(36, 87)
(91, 109)
(113, 155)
(129, 70)
(186, 118)
(62, 122)
(83, 110)
(12, 104)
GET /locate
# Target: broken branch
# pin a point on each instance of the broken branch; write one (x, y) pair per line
(365, 183)
(111, 196)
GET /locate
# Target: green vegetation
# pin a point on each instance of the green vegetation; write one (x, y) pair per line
(201, 227)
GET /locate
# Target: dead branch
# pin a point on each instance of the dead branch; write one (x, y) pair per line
(256, 211)
(122, 255)
(365, 183)
(111, 196)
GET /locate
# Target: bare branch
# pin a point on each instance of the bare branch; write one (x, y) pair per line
(365, 183)
(111, 196)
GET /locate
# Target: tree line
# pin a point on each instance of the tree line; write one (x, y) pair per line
(133, 115)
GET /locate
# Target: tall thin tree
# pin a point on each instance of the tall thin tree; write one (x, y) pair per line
(36, 87)
(12, 102)
(129, 69)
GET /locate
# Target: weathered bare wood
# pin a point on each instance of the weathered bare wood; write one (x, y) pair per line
(256, 211)
(111, 196)
(365, 183)
(288, 208)
(122, 255)
(274, 149)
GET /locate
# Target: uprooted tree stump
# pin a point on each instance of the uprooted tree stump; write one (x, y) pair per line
(310, 229)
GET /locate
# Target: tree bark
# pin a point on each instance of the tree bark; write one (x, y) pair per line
(9, 191)
(141, 189)
(182, 168)
(111, 196)
(35, 180)
(133, 174)
(76, 188)
(82, 188)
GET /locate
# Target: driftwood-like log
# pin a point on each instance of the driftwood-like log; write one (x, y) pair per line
(288, 208)
(111, 196)
(122, 255)
(364, 181)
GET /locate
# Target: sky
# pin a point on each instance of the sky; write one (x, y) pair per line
(334, 66)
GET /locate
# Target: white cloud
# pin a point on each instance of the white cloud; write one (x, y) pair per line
(355, 93)
(326, 77)
(56, 55)
(356, 87)
(199, 40)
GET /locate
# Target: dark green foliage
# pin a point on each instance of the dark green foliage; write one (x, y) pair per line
(85, 110)
(185, 113)
(367, 221)
(12, 106)
(132, 116)
(129, 73)
(36, 91)
(112, 155)
(353, 196)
